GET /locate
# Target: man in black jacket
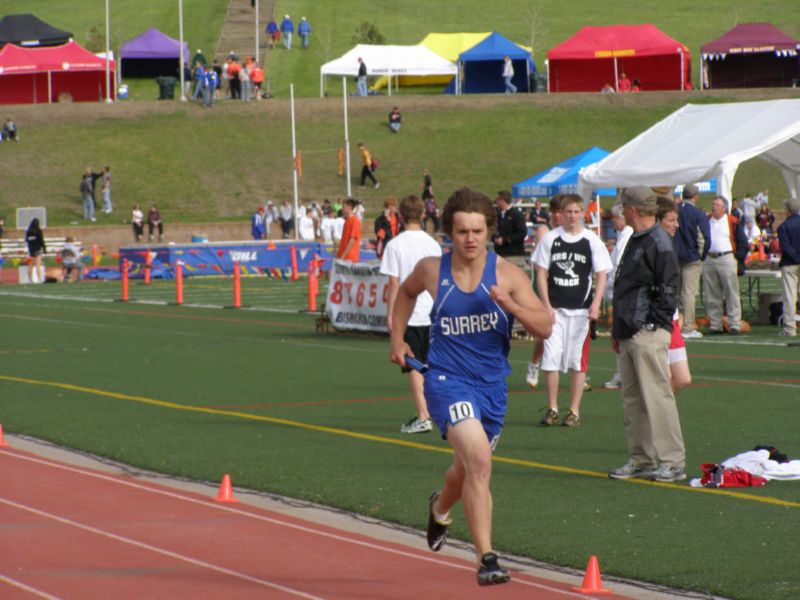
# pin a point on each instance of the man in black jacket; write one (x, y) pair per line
(645, 299)
(509, 238)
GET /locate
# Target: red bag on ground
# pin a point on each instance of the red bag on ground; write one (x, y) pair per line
(717, 476)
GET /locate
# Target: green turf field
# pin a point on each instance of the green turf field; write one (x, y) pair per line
(199, 392)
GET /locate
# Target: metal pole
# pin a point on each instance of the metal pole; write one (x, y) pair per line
(182, 58)
(346, 138)
(294, 167)
(258, 33)
(108, 52)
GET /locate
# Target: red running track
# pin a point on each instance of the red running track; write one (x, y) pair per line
(73, 532)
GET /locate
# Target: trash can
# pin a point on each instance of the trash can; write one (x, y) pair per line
(166, 87)
(541, 82)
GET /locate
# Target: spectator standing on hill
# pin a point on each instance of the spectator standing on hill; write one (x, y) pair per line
(154, 222)
(624, 232)
(465, 386)
(34, 238)
(644, 303)
(304, 31)
(287, 30)
(93, 177)
(286, 217)
(108, 208)
(720, 269)
(789, 238)
(210, 85)
(257, 224)
(199, 79)
(367, 168)
(565, 261)
(387, 225)
(273, 33)
(235, 83)
(246, 83)
(270, 216)
(350, 245)
(137, 220)
(692, 242)
(624, 84)
(762, 198)
(2, 227)
(199, 59)
(509, 239)
(401, 256)
(361, 78)
(395, 120)
(508, 75)
(217, 68)
(258, 80)
(86, 196)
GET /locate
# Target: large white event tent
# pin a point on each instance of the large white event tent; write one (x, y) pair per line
(391, 61)
(709, 141)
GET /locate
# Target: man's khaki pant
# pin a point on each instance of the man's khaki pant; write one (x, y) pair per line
(720, 282)
(790, 280)
(690, 284)
(651, 415)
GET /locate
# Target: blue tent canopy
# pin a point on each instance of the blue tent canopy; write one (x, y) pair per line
(561, 178)
(482, 66)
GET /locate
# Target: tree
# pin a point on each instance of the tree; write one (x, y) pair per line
(95, 41)
(367, 33)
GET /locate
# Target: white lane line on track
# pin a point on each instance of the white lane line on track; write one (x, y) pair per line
(341, 538)
(157, 550)
(27, 588)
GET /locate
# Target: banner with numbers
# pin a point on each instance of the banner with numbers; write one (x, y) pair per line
(357, 296)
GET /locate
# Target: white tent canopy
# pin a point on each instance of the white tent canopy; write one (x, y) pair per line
(701, 142)
(391, 61)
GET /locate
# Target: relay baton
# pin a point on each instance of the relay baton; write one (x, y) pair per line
(415, 364)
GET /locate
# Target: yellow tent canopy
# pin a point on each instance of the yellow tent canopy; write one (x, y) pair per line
(446, 45)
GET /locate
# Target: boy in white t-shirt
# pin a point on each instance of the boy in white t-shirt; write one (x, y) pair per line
(401, 255)
(565, 261)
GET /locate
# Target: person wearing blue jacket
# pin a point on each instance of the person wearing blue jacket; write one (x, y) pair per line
(692, 241)
(287, 29)
(304, 31)
(789, 239)
(257, 229)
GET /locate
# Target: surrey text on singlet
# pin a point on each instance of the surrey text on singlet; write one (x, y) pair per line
(470, 333)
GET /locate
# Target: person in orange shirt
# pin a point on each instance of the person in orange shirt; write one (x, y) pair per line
(257, 78)
(350, 246)
(592, 216)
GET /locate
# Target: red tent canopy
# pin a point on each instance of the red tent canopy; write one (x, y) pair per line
(33, 75)
(751, 55)
(596, 56)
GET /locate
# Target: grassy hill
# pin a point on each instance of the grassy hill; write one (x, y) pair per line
(536, 23)
(208, 165)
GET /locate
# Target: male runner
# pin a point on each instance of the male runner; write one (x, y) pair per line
(476, 295)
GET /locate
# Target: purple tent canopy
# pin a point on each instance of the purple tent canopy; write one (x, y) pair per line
(749, 38)
(153, 44)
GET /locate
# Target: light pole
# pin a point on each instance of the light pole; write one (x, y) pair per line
(108, 59)
(182, 60)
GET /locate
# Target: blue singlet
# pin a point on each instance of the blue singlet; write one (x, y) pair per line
(470, 333)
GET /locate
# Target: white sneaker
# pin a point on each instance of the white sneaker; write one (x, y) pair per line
(532, 376)
(693, 335)
(614, 383)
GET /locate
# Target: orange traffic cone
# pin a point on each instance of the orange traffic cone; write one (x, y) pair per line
(592, 583)
(3, 443)
(225, 491)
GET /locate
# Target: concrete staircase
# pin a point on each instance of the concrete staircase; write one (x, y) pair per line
(238, 30)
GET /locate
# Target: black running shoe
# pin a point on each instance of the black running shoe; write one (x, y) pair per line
(489, 572)
(437, 532)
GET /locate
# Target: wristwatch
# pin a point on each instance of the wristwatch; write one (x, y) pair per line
(650, 326)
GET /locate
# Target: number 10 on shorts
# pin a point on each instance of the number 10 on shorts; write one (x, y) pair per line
(460, 411)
